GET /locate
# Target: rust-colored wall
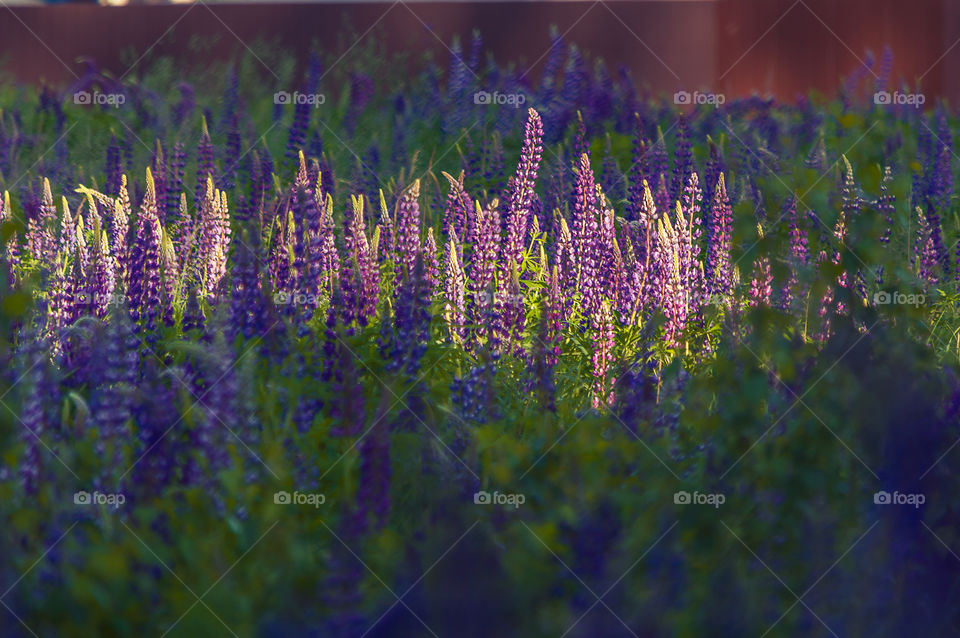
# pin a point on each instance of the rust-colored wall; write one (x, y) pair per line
(725, 46)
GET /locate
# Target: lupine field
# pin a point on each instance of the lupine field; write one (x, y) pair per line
(462, 352)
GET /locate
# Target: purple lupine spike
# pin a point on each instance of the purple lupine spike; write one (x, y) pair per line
(673, 295)
(388, 235)
(361, 92)
(114, 168)
(925, 251)
(483, 261)
(431, 262)
(579, 145)
(143, 296)
(585, 235)
(884, 70)
(553, 319)
(635, 174)
(458, 206)
(518, 213)
(169, 272)
(510, 319)
(299, 127)
(602, 357)
(656, 168)
(102, 278)
(941, 190)
(119, 230)
(183, 108)
(40, 237)
(67, 235)
(111, 399)
(646, 264)
(566, 265)
(248, 311)
(454, 290)
(408, 231)
(205, 166)
(715, 166)
(886, 205)
(682, 160)
(471, 162)
(33, 417)
(373, 492)
(282, 257)
(360, 285)
(607, 249)
(612, 179)
(719, 238)
(159, 169)
(493, 169)
(193, 317)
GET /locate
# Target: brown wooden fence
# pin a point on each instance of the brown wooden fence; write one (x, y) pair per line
(736, 47)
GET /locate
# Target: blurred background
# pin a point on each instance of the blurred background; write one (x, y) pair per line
(736, 47)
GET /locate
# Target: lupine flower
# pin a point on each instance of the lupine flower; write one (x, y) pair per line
(611, 178)
(719, 236)
(213, 238)
(483, 260)
(143, 292)
(521, 197)
(668, 261)
(683, 165)
(602, 356)
(408, 231)
(925, 259)
(761, 286)
(798, 255)
(10, 251)
(102, 279)
(553, 319)
(33, 417)
(40, 240)
(169, 274)
(457, 213)
(205, 167)
(111, 401)
(585, 235)
(509, 312)
(454, 290)
(361, 274)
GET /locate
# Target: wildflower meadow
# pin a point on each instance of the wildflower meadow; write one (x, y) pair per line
(469, 353)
